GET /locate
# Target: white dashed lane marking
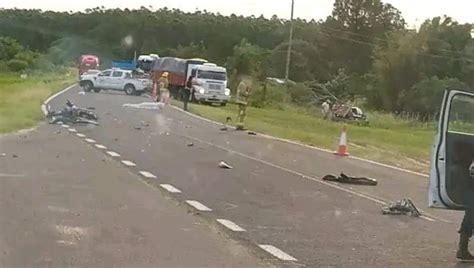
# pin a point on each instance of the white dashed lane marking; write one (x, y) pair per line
(128, 163)
(170, 188)
(100, 146)
(197, 205)
(147, 174)
(72, 130)
(65, 126)
(231, 225)
(113, 154)
(277, 253)
(80, 135)
(90, 140)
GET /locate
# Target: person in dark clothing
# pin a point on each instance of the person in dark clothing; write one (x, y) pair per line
(467, 224)
(187, 92)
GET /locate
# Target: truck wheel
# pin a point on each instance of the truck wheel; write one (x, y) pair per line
(130, 90)
(87, 86)
(96, 90)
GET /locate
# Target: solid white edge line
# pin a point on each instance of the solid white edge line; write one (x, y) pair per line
(375, 199)
(198, 205)
(128, 163)
(44, 107)
(277, 253)
(231, 225)
(113, 154)
(170, 188)
(100, 146)
(90, 140)
(147, 174)
(80, 135)
(308, 146)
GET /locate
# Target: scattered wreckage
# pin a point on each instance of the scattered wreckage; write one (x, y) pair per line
(73, 114)
(348, 113)
(401, 207)
(343, 178)
(145, 105)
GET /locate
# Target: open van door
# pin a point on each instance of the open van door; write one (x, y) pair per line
(453, 151)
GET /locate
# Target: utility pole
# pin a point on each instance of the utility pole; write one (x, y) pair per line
(290, 43)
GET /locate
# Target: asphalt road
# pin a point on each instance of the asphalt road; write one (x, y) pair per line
(273, 202)
(64, 204)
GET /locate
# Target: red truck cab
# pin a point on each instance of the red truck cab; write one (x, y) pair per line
(88, 62)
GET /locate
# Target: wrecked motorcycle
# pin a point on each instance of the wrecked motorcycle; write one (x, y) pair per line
(401, 207)
(73, 114)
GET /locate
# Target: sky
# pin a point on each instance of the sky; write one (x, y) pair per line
(414, 11)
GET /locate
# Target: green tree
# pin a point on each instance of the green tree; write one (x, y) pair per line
(425, 96)
(354, 29)
(9, 48)
(396, 69)
(306, 62)
(248, 59)
(444, 43)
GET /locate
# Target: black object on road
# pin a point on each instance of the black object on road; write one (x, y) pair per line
(343, 178)
(401, 207)
(73, 114)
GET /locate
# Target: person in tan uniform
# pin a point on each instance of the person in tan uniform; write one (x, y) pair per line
(243, 93)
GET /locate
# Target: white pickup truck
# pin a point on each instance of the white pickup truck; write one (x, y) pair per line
(115, 79)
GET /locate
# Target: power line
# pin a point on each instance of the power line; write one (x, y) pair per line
(375, 45)
(381, 40)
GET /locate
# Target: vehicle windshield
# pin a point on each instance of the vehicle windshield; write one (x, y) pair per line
(212, 75)
(246, 133)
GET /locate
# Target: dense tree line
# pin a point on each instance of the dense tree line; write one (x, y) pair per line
(363, 50)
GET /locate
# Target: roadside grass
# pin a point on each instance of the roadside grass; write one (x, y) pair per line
(21, 99)
(389, 140)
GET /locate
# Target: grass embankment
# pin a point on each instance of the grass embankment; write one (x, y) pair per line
(388, 140)
(20, 99)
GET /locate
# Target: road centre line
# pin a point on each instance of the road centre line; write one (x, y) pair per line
(100, 146)
(128, 163)
(375, 199)
(230, 225)
(73, 130)
(147, 174)
(80, 135)
(198, 205)
(170, 188)
(65, 126)
(277, 253)
(113, 154)
(90, 140)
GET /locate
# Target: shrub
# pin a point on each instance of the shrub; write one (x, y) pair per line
(17, 65)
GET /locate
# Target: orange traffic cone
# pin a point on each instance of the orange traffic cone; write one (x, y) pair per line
(342, 148)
